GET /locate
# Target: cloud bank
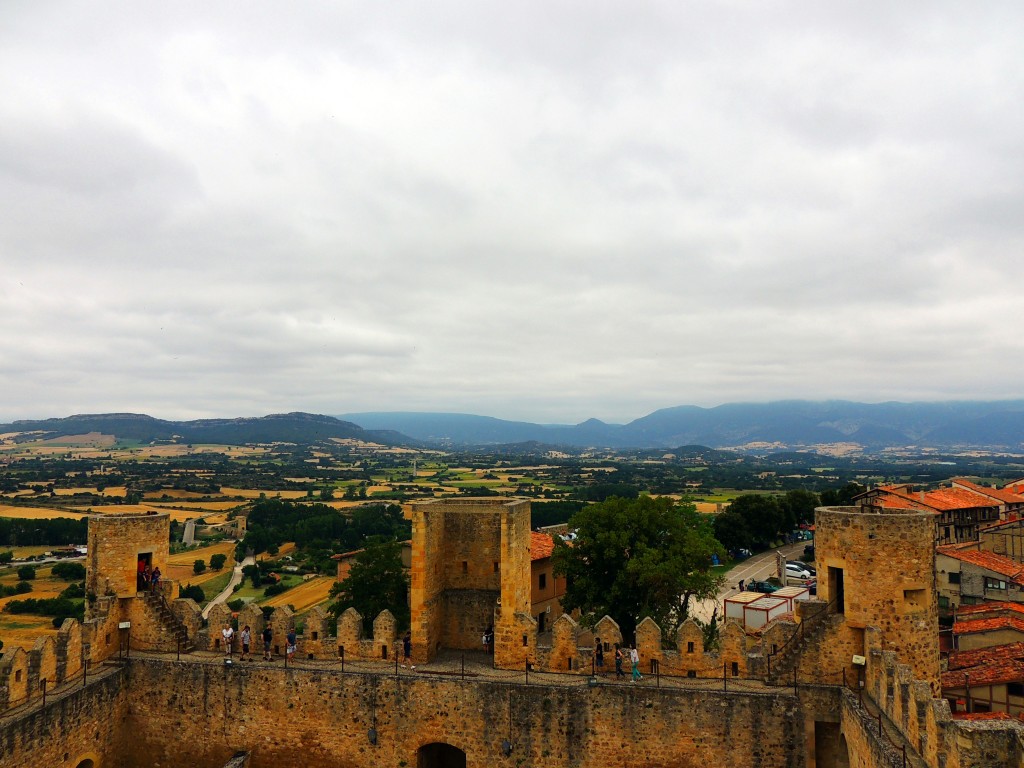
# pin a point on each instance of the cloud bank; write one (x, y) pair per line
(527, 211)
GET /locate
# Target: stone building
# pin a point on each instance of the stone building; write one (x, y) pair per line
(986, 680)
(960, 510)
(970, 576)
(546, 588)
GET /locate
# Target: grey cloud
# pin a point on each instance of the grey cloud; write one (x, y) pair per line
(532, 211)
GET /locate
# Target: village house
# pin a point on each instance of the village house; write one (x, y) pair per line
(1005, 537)
(988, 625)
(546, 588)
(966, 576)
(986, 680)
(961, 510)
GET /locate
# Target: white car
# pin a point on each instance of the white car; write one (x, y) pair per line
(796, 572)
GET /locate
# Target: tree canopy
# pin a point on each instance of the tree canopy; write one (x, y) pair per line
(634, 558)
(375, 581)
(756, 520)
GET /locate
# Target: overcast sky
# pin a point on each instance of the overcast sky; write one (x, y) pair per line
(532, 210)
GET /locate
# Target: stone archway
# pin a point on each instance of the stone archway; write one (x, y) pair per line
(87, 762)
(440, 755)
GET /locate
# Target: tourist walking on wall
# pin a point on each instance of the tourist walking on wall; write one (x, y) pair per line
(292, 641)
(246, 637)
(268, 638)
(618, 661)
(228, 635)
(407, 650)
(634, 659)
(156, 579)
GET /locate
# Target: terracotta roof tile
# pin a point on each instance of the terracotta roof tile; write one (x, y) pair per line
(990, 561)
(541, 545)
(985, 666)
(1005, 495)
(957, 498)
(982, 716)
(970, 626)
(993, 606)
(890, 498)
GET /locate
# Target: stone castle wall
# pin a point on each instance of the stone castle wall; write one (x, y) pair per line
(84, 722)
(297, 718)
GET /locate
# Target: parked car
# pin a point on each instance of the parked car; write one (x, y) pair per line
(806, 566)
(764, 587)
(741, 554)
(794, 571)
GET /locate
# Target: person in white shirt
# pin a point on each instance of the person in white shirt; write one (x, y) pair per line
(634, 658)
(229, 635)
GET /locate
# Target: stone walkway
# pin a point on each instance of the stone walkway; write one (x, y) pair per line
(476, 667)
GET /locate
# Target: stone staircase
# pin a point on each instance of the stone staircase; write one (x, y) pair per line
(809, 631)
(158, 605)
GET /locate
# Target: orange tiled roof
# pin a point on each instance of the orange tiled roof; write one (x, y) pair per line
(970, 626)
(1005, 495)
(985, 666)
(893, 497)
(982, 716)
(990, 561)
(957, 498)
(541, 545)
(992, 606)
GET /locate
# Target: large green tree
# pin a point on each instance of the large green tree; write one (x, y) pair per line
(376, 580)
(634, 558)
(763, 515)
(799, 505)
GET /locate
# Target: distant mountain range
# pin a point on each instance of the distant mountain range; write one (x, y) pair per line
(304, 428)
(791, 424)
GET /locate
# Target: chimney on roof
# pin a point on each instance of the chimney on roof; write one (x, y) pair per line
(921, 493)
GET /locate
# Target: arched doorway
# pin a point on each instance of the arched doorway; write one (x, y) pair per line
(440, 755)
(87, 763)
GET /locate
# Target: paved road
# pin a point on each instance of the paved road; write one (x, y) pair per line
(759, 567)
(189, 536)
(236, 578)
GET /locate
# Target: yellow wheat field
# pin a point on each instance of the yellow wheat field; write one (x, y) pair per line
(203, 553)
(23, 630)
(250, 493)
(304, 596)
(34, 513)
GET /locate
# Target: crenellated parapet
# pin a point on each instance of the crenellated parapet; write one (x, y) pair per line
(926, 722)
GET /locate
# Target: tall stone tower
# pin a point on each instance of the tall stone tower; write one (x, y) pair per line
(116, 546)
(876, 566)
(470, 571)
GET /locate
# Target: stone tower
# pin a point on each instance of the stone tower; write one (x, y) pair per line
(142, 618)
(876, 567)
(117, 543)
(470, 571)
